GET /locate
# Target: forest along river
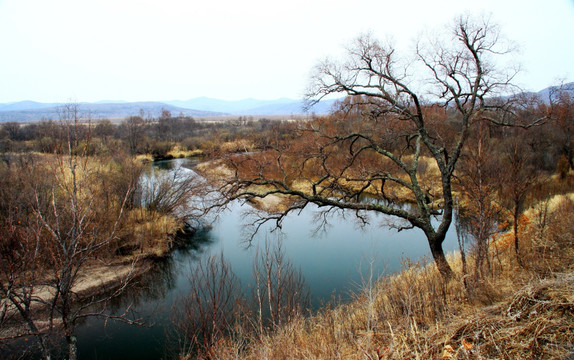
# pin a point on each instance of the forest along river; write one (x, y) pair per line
(334, 263)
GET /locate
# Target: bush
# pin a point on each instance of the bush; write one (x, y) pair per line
(159, 149)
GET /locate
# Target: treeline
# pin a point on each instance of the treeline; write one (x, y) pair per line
(144, 135)
(547, 142)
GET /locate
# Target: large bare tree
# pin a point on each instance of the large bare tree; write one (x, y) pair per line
(400, 114)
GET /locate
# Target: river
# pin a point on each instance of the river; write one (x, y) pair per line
(334, 261)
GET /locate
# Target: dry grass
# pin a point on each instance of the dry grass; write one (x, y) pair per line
(215, 169)
(237, 146)
(271, 203)
(144, 158)
(149, 233)
(178, 152)
(516, 312)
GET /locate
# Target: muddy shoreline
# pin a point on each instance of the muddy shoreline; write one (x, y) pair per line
(95, 281)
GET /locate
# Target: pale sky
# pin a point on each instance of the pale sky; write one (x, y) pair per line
(144, 50)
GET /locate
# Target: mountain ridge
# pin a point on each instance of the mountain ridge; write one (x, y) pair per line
(39, 111)
(196, 107)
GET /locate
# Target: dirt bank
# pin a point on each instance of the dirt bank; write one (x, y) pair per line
(95, 280)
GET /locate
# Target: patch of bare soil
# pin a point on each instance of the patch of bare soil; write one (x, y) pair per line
(100, 278)
(94, 280)
(271, 203)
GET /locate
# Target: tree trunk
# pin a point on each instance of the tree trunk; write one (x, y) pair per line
(439, 257)
(72, 347)
(516, 216)
(516, 243)
(515, 228)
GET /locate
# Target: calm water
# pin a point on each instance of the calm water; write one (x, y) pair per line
(333, 261)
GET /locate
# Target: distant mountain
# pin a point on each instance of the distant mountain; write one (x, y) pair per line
(32, 111)
(111, 102)
(198, 107)
(544, 94)
(25, 105)
(281, 106)
(125, 109)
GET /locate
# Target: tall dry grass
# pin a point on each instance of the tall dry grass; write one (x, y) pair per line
(518, 311)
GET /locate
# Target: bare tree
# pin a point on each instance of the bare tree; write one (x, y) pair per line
(562, 114)
(519, 179)
(280, 292)
(392, 127)
(21, 254)
(78, 229)
(133, 127)
(12, 129)
(71, 221)
(104, 130)
(479, 179)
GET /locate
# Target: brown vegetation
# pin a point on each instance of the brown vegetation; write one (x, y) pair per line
(67, 216)
(514, 312)
(70, 199)
(510, 293)
(373, 144)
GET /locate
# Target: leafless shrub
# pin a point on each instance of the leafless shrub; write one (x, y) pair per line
(478, 178)
(215, 310)
(167, 192)
(207, 313)
(280, 293)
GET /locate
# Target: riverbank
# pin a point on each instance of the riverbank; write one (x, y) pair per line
(515, 311)
(95, 280)
(531, 320)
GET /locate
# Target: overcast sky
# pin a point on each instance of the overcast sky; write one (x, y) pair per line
(139, 50)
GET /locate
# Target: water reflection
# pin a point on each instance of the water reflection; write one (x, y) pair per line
(163, 276)
(333, 262)
(150, 299)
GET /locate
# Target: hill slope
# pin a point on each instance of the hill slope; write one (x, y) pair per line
(196, 107)
(35, 111)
